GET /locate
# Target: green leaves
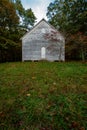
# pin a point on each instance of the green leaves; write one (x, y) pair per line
(14, 20)
(29, 18)
(68, 14)
(8, 16)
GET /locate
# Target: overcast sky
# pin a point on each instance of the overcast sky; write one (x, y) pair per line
(39, 7)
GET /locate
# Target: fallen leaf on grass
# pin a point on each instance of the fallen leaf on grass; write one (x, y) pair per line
(82, 128)
(33, 77)
(28, 94)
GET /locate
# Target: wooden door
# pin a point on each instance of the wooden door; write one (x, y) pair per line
(43, 53)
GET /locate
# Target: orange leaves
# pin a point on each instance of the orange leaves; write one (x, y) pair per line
(79, 37)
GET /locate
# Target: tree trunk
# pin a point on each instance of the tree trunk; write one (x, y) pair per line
(82, 54)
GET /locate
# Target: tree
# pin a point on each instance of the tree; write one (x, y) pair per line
(77, 44)
(8, 16)
(19, 8)
(9, 22)
(69, 15)
(57, 43)
(54, 13)
(11, 30)
(27, 17)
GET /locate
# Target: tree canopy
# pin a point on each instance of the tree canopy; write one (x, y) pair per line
(70, 16)
(8, 16)
(14, 20)
(27, 17)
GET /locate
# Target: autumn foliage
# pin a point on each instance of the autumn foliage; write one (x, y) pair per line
(76, 46)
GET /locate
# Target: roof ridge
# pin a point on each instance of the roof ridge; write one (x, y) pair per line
(38, 24)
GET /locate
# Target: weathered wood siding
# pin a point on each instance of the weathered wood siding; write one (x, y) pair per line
(33, 41)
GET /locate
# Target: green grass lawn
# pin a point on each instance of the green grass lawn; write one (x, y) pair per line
(43, 96)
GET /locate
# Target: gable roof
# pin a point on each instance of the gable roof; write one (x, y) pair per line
(37, 25)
